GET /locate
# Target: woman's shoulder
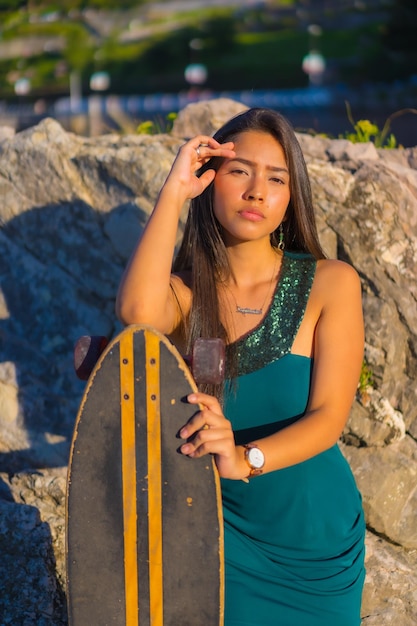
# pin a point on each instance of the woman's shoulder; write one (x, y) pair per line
(337, 279)
(182, 279)
(336, 270)
(181, 289)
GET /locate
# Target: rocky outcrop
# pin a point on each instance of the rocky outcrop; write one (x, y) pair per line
(71, 209)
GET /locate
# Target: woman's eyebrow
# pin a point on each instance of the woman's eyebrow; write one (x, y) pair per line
(253, 163)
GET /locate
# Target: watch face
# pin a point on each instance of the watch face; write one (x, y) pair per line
(256, 458)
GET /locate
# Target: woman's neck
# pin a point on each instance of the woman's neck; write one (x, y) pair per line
(251, 265)
(246, 296)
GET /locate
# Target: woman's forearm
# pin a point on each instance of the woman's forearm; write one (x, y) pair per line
(144, 293)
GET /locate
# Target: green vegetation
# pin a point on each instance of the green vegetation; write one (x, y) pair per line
(366, 379)
(149, 127)
(368, 131)
(66, 5)
(243, 48)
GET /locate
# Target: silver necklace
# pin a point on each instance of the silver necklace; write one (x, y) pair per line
(243, 310)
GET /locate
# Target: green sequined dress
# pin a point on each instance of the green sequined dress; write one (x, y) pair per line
(294, 538)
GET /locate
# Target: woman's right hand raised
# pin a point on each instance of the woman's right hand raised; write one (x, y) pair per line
(191, 156)
(145, 295)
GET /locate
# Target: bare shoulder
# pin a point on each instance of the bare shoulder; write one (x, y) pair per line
(336, 284)
(181, 283)
(334, 274)
(181, 290)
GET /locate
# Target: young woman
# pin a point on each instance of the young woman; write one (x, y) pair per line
(251, 270)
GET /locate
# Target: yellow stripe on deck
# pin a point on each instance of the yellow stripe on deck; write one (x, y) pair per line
(154, 478)
(127, 404)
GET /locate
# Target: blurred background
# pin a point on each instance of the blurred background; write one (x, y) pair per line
(100, 65)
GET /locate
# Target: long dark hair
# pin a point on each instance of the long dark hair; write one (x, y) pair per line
(202, 250)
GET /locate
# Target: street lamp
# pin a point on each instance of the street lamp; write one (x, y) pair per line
(196, 74)
(99, 81)
(22, 86)
(314, 65)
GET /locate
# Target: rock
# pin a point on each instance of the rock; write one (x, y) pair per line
(373, 421)
(389, 595)
(344, 150)
(206, 117)
(32, 522)
(72, 209)
(387, 479)
(6, 132)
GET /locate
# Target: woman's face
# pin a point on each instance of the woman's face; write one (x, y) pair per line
(251, 191)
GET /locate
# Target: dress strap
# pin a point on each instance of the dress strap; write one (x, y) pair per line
(274, 336)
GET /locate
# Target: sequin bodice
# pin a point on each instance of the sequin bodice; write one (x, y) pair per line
(283, 318)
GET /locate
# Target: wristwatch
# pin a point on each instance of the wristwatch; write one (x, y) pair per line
(255, 458)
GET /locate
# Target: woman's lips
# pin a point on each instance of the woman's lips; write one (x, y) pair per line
(254, 215)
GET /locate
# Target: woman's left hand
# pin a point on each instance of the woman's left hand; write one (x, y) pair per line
(209, 432)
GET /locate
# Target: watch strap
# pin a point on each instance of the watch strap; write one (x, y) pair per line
(253, 471)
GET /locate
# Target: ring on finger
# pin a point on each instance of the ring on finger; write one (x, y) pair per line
(202, 145)
(205, 427)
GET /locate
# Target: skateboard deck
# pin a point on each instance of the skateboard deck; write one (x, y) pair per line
(144, 522)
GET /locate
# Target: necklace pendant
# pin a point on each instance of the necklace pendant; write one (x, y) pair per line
(245, 310)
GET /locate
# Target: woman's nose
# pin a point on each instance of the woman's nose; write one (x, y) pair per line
(255, 191)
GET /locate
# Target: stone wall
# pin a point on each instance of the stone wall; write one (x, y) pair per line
(71, 209)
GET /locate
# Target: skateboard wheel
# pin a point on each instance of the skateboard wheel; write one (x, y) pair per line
(208, 361)
(87, 351)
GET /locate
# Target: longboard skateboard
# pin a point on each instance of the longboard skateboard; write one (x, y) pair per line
(144, 522)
